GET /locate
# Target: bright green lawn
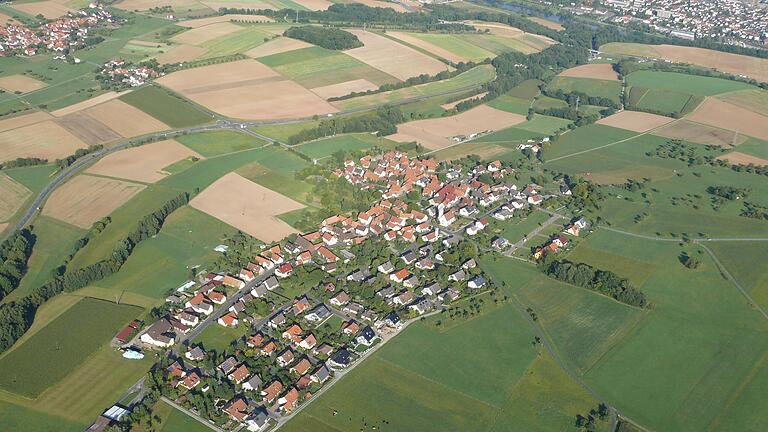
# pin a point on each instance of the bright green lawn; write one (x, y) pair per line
(217, 337)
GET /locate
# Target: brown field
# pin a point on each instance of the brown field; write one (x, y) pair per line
(181, 53)
(497, 29)
(452, 105)
(4, 20)
(547, 23)
(49, 9)
(393, 58)
(247, 206)
(86, 199)
(20, 83)
(753, 100)
(201, 22)
(427, 46)
(125, 119)
(148, 4)
(739, 158)
(12, 196)
(87, 129)
(715, 112)
(45, 140)
(314, 5)
(635, 121)
(484, 150)
(143, 163)
(199, 35)
(700, 134)
(595, 71)
(108, 96)
(436, 133)
(3, 226)
(23, 120)
(276, 46)
(246, 89)
(382, 4)
(345, 88)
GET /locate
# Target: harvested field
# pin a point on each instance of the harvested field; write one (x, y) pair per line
(86, 199)
(547, 23)
(49, 9)
(199, 35)
(596, 71)
(753, 100)
(20, 83)
(700, 134)
(436, 133)
(5, 20)
(247, 206)
(143, 163)
(635, 121)
(277, 46)
(12, 196)
(427, 46)
(397, 7)
(148, 4)
(512, 32)
(125, 119)
(246, 89)
(87, 129)
(181, 53)
(345, 88)
(452, 105)
(314, 5)
(23, 120)
(245, 4)
(105, 97)
(45, 140)
(715, 112)
(739, 158)
(201, 22)
(393, 58)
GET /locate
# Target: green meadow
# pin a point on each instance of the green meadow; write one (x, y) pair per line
(682, 83)
(166, 107)
(216, 143)
(326, 147)
(593, 87)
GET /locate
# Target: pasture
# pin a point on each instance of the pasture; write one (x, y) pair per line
(56, 350)
(217, 143)
(753, 100)
(665, 101)
(511, 104)
(174, 420)
(684, 83)
(12, 196)
(587, 138)
(327, 147)
(167, 108)
(143, 163)
(593, 87)
(278, 45)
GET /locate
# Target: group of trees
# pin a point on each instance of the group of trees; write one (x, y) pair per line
(14, 254)
(327, 37)
(23, 162)
(17, 316)
(603, 281)
(384, 121)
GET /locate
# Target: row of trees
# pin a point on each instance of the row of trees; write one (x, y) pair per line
(384, 121)
(17, 316)
(14, 254)
(331, 38)
(23, 162)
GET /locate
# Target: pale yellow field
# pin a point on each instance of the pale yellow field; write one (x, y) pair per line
(382, 4)
(547, 23)
(427, 46)
(4, 20)
(635, 121)
(45, 140)
(701, 134)
(200, 35)
(148, 4)
(246, 89)
(125, 119)
(143, 163)
(20, 83)
(12, 196)
(596, 71)
(724, 115)
(452, 105)
(87, 129)
(86, 199)
(753, 100)
(243, 4)
(277, 46)
(181, 53)
(393, 58)
(49, 9)
(247, 206)
(738, 158)
(108, 96)
(436, 133)
(23, 120)
(314, 5)
(201, 22)
(345, 88)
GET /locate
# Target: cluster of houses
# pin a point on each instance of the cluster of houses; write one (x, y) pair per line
(57, 36)
(117, 71)
(559, 242)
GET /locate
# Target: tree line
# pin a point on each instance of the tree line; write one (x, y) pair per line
(327, 37)
(14, 254)
(17, 316)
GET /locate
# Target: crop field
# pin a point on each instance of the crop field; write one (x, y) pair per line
(126, 120)
(483, 150)
(12, 196)
(79, 106)
(547, 23)
(57, 349)
(753, 100)
(700, 134)
(216, 143)
(278, 45)
(754, 147)
(326, 147)
(736, 64)
(470, 79)
(450, 47)
(50, 9)
(318, 67)
(20, 83)
(586, 138)
(165, 107)
(543, 124)
(665, 101)
(235, 43)
(739, 158)
(594, 87)
(246, 89)
(181, 53)
(201, 22)
(683, 83)
(46, 140)
(714, 112)
(200, 35)
(635, 121)
(596, 71)
(144, 163)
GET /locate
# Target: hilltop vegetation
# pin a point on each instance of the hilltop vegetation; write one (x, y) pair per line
(327, 37)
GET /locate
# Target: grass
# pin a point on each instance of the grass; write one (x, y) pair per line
(585, 138)
(237, 42)
(282, 132)
(215, 143)
(180, 166)
(456, 45)
(511, 104)
(544, 125)
(684, 83)
(753, 100)
(217, 337)
(353, 142)
(514, 229)
(174, 420)
(164, 106)
(22, 419)
(732, 254)
(593, 87)
(666, 101)
(754, 147)
(56, 350)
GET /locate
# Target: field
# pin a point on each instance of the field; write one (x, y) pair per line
(201, 22)
(217, 337)
(546, 23)
(20, 83)
(86, 199)
(326, 147)
(739, 158)
(167, 108)
(753, 100)
(200, 35)
(247, 206)
(435, 134)
(731, 255)
(50, 9)
(754, 147)
(277, 46)
(125, 119)
(79, 106)
(635, 121)
(593, 87)
(666, 101)
(210, 144)
(683, 83)
(595, 71)
(61, 346)
(12, 196)
(344, 88)
(181, 53)
(46, 140)
(700, 134)
(174, 420)
(393, 58)
(752, 67)
(714, 112)
(143, 163)
(246, 89)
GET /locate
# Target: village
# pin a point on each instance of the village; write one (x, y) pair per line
(382, 269)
